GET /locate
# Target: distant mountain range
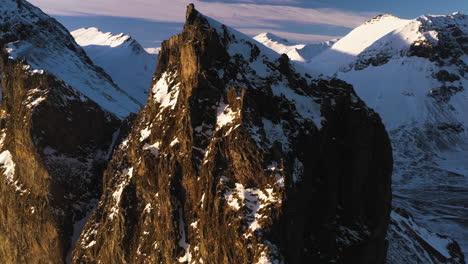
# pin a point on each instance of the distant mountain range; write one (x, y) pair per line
(296, 52)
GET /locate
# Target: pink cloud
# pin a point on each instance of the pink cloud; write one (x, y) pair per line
(233, 14)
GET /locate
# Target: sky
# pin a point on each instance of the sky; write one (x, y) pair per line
(302, 21)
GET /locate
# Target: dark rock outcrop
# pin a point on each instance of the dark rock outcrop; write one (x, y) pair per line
(240, 158)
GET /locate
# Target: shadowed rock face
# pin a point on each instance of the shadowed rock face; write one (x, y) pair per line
(240, 158)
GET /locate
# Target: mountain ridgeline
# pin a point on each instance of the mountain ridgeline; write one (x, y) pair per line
(240, 155)
(296, 52)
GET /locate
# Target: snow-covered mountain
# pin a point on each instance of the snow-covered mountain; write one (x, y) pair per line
(123, 58)
(345, 51)
(414, 73)
(296, 52)
(50, 47)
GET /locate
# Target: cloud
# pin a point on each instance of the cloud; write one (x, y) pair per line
(270, 1)
(234, 14)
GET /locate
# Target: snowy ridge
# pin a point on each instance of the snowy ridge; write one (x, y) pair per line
(44, 44)
(296, 52)
(385, 74)
(122, 57)
(93, 36)
(346, 49)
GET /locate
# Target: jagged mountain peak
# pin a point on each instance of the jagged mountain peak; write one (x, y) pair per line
(193, 16)
(42, 43)
(94, 36)
(382, 18)
(272, 37)
(276, 43)
(230, 145)
(456, 21)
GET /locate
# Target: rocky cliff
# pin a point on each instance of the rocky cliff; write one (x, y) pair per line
(55, 145)
(240, 157)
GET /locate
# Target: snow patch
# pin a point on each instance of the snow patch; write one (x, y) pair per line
(8, 165)
(153, 148)
(305, 106)
(275, 132)
(298, 170)
(161, 93)
(144, 134)
(126, 176)
(225, 116)
(255, 200)
(174, 142)
(6, 162)
(187, 257)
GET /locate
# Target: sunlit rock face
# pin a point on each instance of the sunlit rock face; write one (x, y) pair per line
(241, 157)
